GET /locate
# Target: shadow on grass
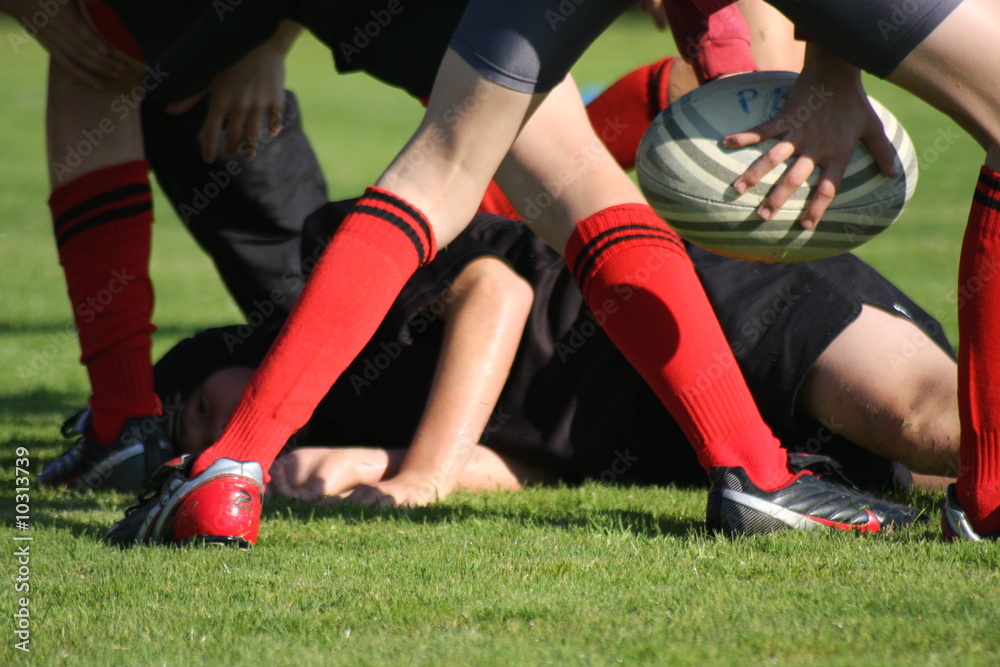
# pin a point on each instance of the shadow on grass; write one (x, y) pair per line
(65, 511)
(59, 328)
(22, 406)
(58, 510)
(526, 514)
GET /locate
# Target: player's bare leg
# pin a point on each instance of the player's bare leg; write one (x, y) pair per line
(954, 69)
(890, 389)
(102, 214)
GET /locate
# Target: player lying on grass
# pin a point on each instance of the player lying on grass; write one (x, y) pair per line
(245, 212)
(477, 126)
(498, 322)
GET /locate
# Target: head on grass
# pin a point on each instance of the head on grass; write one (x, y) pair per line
(200, 381)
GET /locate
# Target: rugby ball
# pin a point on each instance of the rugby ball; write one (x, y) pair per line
(686, 175)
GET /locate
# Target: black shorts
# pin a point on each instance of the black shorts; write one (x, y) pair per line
(764, 310)
(874, 35)
(530, 45)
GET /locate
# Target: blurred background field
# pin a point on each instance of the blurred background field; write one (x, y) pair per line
(590, 575)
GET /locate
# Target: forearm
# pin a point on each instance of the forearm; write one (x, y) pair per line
(284, 39)
(482, 335)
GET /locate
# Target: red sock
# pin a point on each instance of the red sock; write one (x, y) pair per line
(635, 276)
(978, 484)
(622, 113)
(370, 257)
(103, 225)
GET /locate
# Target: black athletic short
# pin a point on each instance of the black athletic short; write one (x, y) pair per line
(874, 35)
(400, 42)
(530, 45)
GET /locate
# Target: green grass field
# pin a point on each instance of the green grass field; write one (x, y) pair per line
(592, 575)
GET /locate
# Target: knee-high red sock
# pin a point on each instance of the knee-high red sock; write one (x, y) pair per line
(103, 225)
(978, 484)
(621, 114)
(635, 275)
(370, 257)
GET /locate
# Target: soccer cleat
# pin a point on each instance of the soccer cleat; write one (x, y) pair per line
(955, 524)
(737, 507)
(140, 449)
(221, 506)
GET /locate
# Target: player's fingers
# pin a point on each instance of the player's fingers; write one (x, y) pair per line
(236, 122)
(211, 130)
(91, 52)
(660, 16)
(361, 495)
(764, 165)
(826, 190)
(275, 119)
(251, 132)
(787, 185)
(184, 106)
(753, 135)
(883, 152)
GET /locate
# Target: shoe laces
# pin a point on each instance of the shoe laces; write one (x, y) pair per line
(75, 425)
(154, 486)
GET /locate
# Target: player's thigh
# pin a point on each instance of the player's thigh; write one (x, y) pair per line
(955, 69)
(559, 171)
(87, 129)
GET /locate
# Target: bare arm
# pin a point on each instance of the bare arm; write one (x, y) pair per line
(484, 324)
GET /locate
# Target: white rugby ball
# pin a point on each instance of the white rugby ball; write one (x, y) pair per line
(687, 176)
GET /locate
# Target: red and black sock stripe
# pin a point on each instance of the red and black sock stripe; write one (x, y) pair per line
(116, 196)
(987, 196)
(385, 206)
(651, 232)
(103, 228)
